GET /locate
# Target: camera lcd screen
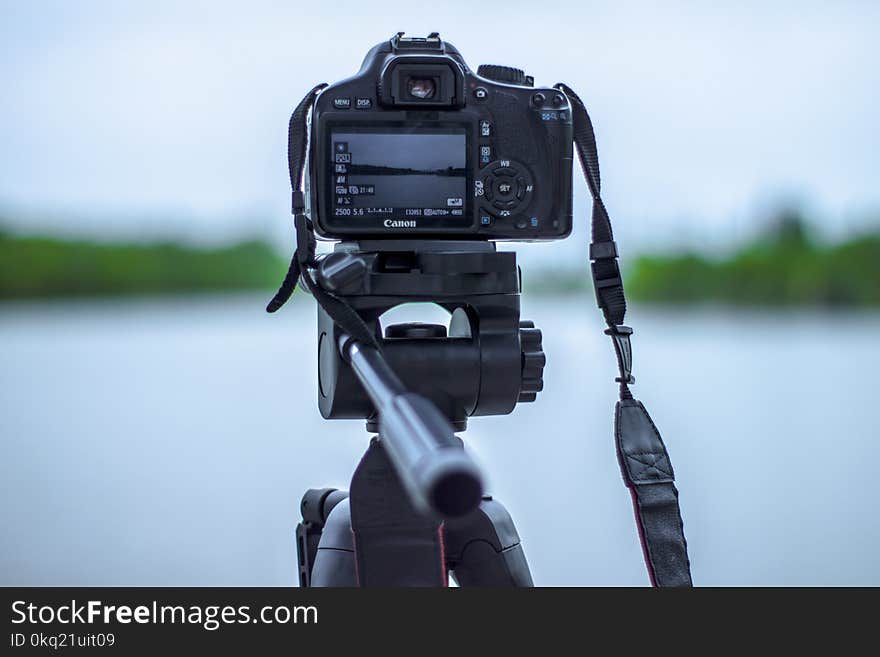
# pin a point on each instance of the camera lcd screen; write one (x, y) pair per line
(418, 175)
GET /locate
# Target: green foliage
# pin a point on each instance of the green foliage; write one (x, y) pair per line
(43, 267)
(784, 266)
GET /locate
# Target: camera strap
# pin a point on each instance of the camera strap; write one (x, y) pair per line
(304, 255)
(644, 462)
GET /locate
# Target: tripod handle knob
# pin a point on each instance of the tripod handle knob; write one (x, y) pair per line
(341, 272)
(439, 475)
(533, 361)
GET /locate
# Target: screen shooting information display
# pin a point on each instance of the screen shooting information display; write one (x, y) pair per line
(414, 176)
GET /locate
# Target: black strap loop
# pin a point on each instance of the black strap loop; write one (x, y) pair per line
(304, 257)
(644, 462)
(623, 350)
(297, 141)
(648, 474)
(603, 250)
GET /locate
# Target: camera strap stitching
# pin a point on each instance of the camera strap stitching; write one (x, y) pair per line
(644, 461)
(304, 257)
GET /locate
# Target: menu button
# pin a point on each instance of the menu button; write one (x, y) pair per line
(342, 103)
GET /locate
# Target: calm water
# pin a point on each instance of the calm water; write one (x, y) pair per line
(168, 442)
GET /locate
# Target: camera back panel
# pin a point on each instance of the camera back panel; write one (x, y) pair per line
(416, 144)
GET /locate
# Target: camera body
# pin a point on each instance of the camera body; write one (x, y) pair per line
(416, 145)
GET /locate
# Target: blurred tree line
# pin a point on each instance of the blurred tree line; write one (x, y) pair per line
(45, 267)
(784, 265)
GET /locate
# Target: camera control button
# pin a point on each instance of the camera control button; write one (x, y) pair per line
(521, 223)
(488, 190)
(504, 205)
(342, 103)
(485, 128)
(504, 187)
(505, 171)
(485, 155)
(485, 220)
(481, 93)
(363, 103)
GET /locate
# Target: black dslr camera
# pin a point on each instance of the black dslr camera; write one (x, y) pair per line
(416, 165)
(416, 144)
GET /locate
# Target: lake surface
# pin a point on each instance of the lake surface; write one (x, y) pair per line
(167, 442)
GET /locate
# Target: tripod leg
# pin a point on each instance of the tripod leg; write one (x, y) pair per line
(395, 545)
(316, 506)
(334, 563)
(483, 548)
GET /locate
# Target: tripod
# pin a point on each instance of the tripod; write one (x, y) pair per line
(416, 510)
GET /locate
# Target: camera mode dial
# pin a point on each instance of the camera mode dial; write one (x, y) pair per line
(505, 74)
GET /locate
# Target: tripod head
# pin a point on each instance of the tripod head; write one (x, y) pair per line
(482, 363)
(424, 380)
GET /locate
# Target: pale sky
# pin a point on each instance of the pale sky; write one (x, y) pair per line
(152, 118)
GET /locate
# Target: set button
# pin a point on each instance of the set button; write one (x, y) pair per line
(506, 189)
(503, 187)
(503, 192)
